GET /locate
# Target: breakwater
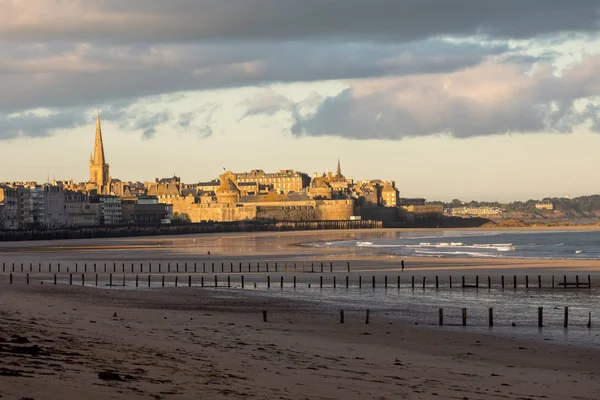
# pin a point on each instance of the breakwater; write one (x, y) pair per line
(163, 230)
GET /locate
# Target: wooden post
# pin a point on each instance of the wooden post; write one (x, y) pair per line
(540, 317)
(163, 281)
(28, 279)
(489, 282)
(360, 281)
(437, 284)
(82, 279)
(502, 281)
(176, 280)
(159, 268)
(424, 279)
(398, 281)
(136, 281)
(54, 279)
(367, 317)
(477, 281)
(222, 268)
(565, 281)
(347, 282)
(276, 268)
(491, 316)
(589, 282)
(330, 267)
(441, 316)
(268, 282)
(348, 266)
(216, 281)
(552, 281)
(577, 280)
(463, 281)
(464, 317)
(132, 268)
(189, 281)
(123, 280)
(294, 281)
(413, 282)
(566, 317)
(228, 281)
(334, 284)
(321, 282)
(589, 324)
(526, 281)
(185, 268)
(515, 281)
(281, 282)
(242, 281)
(213, 268)
(109, 280)
(96, 280)
(264, 315)
(70, 279)
(373, 281)
(321, 267)
(385, 282)
(341, 316)
(148, 280)
(202, 281)
(539, 281)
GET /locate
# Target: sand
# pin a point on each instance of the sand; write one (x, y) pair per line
(190, 343)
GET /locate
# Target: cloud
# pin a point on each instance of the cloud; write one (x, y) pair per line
(288, 20)
(489, 99)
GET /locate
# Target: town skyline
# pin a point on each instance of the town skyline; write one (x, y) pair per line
(496, 103)
(78, 173)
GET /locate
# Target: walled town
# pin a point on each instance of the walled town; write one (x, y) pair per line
(286, 195)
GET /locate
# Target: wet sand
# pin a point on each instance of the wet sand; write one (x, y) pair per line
(188, 343)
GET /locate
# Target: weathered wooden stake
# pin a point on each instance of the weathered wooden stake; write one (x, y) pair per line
(367, 317)
(334, 283)
(385, 282)
(10, 278)
(70, 279)
(360, 282)
(450, 281)
(228, 281)
(163, 281)
(189, 281)
(424, 282)
(540, 317)
(373, 281)
(216, 281)
(341, 316)
(489, 282)
(566, 317)
(564, 281)
(28, 279)
(347, 282)
(137, 278)
(268, 282)
(502, 281)
(477, 281)
(109, 280)
(539, 281)
(281, 282)
(321, 281)
(242, 281)
(54, 279)
(348, 266)
(464, 317)
(437, 283)
(96, 280)
(413, 282)
(176, 280)
(589, 282)
(330, 267)
(515, 281)
(148, 280)
(398, 281)
(441, 316)
(264, 315)
(491, 316)
(463, 281)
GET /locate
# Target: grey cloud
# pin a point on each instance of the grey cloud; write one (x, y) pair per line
(489, 99)
(106, 76)
(277, 20)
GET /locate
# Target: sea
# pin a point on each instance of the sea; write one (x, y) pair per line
(568, 244)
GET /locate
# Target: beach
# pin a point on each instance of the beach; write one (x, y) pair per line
(205, 342)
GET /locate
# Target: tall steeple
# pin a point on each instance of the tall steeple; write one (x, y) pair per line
(98, 145)
(339, 169)
(99, 173)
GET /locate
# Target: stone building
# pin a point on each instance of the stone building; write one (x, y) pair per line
(54, 207)
(79, 210)
(109, 209)
(99, 169)
(284, 181)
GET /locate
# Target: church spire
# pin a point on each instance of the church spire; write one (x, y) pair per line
(98, 145)
(339, 169)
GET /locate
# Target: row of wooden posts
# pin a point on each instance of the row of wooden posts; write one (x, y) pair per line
(464, 317)
(293, 267)
(564, 284)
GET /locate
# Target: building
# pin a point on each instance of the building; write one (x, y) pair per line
(99, 169)
(80, 211)
(285, 181)
(425, 209)
(475, 211)
(109, 209)
(389, 195)
(144, 210)
(32, 212)
(54, 207)
(9, 200)
(545, 205)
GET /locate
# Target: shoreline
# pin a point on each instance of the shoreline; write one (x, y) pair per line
(223, 349)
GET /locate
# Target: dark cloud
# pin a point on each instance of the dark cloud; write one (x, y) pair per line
(277, 20)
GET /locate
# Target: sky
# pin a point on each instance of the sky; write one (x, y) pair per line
(467, 99)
